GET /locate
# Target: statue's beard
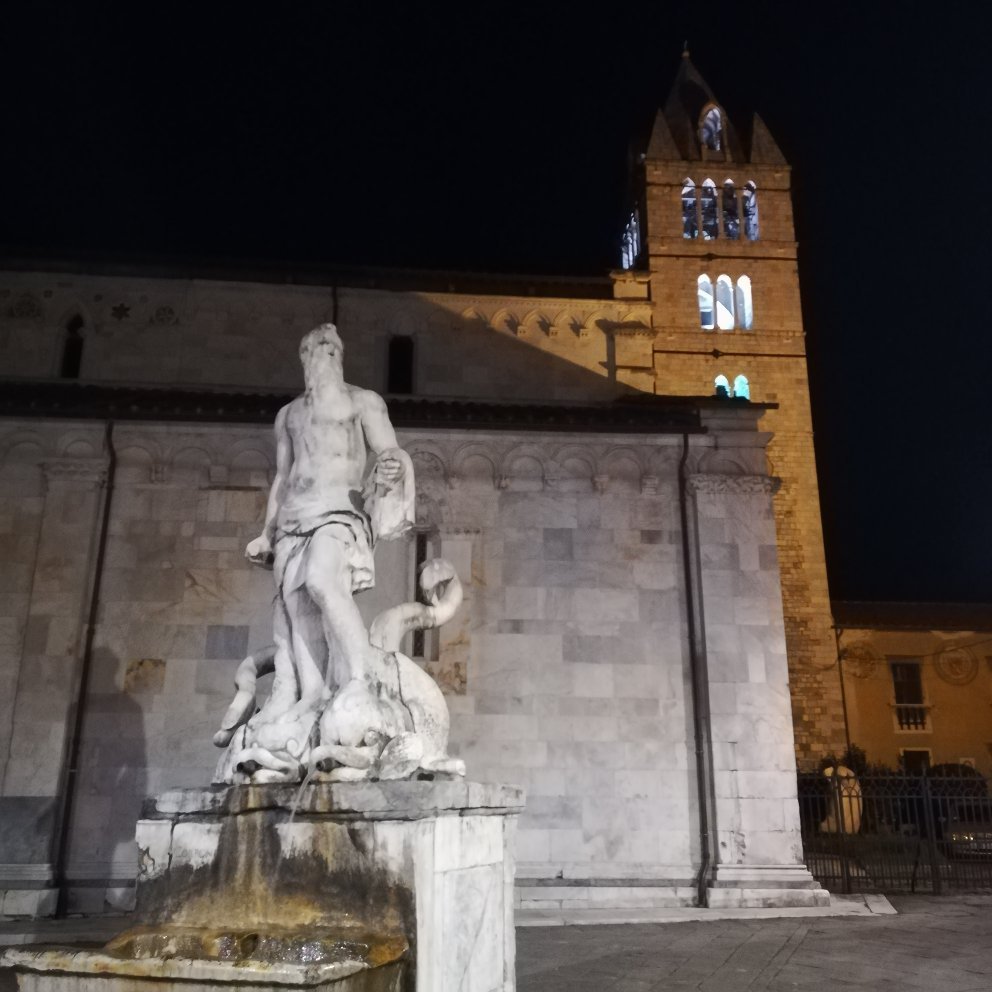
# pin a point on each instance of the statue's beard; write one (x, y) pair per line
(323, 375)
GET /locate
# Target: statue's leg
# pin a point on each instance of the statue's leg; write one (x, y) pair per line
(285, 690)
(328, 581)
(308, 649)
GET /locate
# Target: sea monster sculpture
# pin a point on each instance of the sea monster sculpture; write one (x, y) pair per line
(345, 703)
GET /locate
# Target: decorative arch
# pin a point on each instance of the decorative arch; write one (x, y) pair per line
(22, 441)
(575, 468)
(193, 462)
(525, 467)
(505, 320)
(475, 463)
(624, 468)
(429, 464)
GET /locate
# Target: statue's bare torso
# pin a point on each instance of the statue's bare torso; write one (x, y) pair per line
(328, 452)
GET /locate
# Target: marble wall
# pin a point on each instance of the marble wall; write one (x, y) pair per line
(567, 671)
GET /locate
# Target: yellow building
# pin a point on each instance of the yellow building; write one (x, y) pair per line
(917, 682)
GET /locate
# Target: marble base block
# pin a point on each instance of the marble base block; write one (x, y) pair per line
(411, 881)
(763, 886)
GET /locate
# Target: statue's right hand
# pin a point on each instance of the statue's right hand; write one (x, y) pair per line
(259, 551)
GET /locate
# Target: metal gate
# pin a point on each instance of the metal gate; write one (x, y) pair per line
(897, 833)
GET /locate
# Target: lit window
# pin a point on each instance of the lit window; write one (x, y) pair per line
(742, 389)
(690, 226)
(751, 212)
(707, 199)
(72, 349)
(724, 303)
(745, 309)
(907, 684)
(399, 373)
(721, 386)
(711, 130)
(705, 291)
(731, 217)
(630, 249)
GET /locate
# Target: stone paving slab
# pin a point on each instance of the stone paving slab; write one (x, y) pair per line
(932, 945)
(854, 905)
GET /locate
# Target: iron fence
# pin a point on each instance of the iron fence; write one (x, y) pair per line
(897, 833)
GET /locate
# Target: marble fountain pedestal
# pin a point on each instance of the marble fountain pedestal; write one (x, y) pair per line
(360, 887)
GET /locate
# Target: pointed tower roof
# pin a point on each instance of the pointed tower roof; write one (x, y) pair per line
(689, 95)
(661, 144)
(764, 150)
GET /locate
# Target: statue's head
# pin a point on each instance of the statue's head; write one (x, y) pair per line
(321, 351)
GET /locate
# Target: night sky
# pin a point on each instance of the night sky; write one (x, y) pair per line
(495, 138)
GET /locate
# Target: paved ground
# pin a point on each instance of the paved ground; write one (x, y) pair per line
(932, 945)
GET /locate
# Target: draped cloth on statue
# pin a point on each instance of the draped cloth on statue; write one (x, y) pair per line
(390, 514)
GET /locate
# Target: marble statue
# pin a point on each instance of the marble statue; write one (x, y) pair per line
(345, 703)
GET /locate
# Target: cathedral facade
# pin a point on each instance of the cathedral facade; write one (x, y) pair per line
(621, 470)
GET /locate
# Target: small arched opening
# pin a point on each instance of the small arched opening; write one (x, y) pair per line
(399, 366)
(711, 223)
(731, 215)
(742, 389)
(724, 303)
(711, 129)
(721, 387)
(751, 211)
(705, 293)
(745, 308)
(72, 348)
(690, 225)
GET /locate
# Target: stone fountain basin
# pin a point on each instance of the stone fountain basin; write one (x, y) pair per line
(189, 958)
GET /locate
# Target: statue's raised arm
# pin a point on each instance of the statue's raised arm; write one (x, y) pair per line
(389, 490)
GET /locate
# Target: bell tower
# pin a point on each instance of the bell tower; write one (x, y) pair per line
(711, 231)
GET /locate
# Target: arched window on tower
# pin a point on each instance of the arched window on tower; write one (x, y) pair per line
(742, 390)
(690, 226)
(72, 348)
(751, 211)
(711, 224)
(724, 303)
(705, 290)
(745, 309)
(731, 217)
(711, 130)
(399, 372)
(630, 248)
(721, 387)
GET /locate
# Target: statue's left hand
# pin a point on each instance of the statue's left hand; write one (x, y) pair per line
(390, 469)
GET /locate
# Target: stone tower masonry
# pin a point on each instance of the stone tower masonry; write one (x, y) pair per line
(688, 222)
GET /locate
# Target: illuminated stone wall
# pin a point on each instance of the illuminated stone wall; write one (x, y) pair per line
(687, 359)
(566, 671)
(501, 347)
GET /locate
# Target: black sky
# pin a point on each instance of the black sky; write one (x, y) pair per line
(494, 137)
